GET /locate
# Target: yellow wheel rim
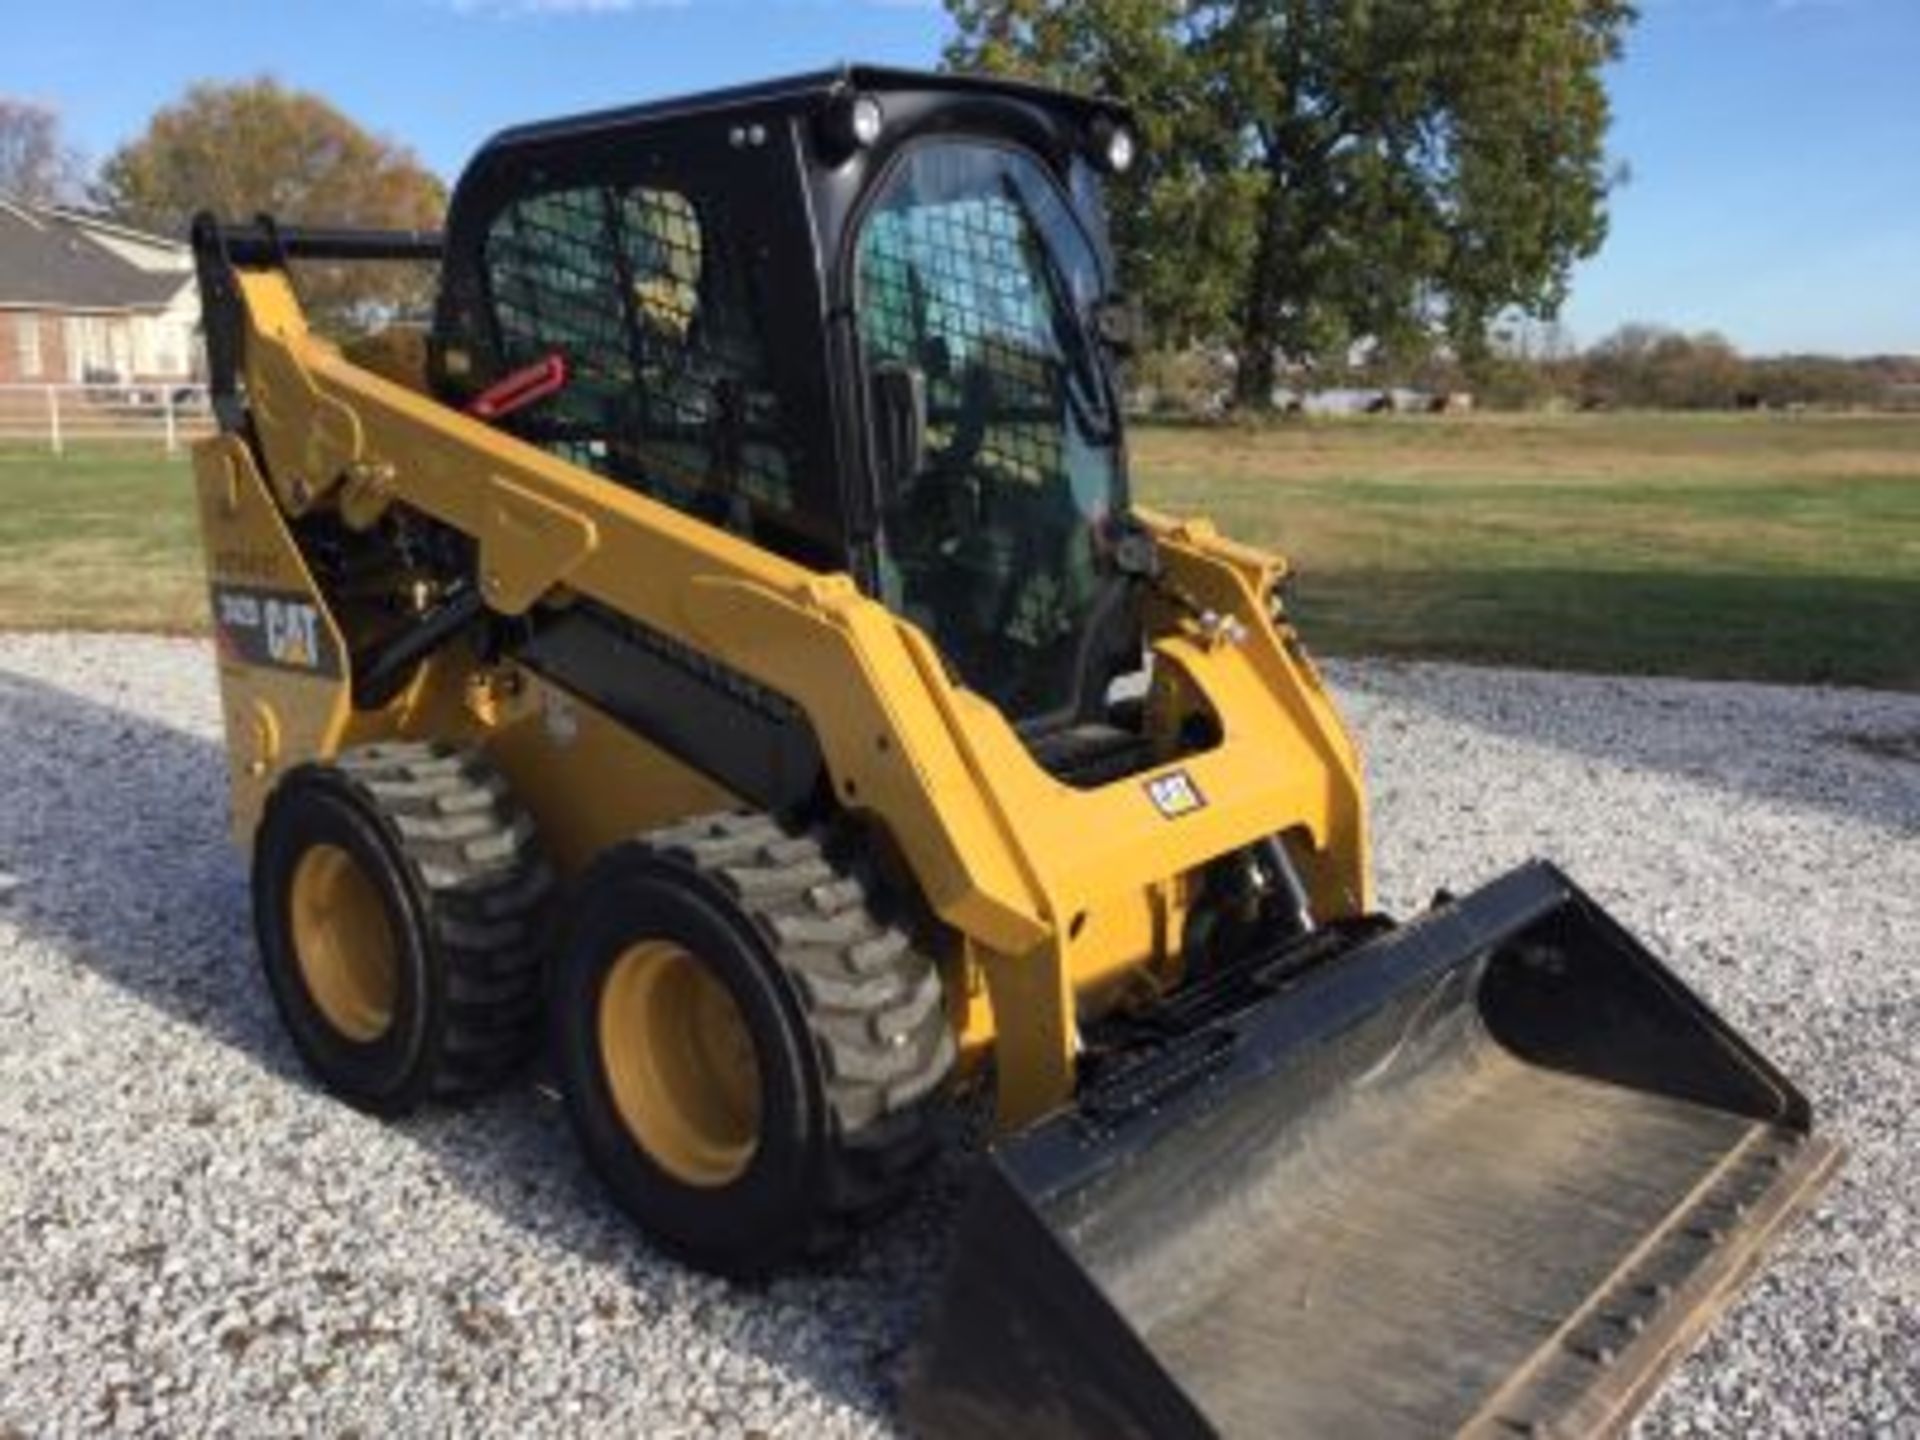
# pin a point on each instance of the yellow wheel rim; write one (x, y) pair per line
(680, 1064)
(344, 943)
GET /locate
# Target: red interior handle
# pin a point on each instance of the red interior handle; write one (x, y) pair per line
(520, 389)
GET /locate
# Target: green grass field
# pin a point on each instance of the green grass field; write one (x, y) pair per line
(1765, 546)
(98, 539)
(1768, 547)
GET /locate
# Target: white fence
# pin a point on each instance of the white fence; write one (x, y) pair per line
(164, 415)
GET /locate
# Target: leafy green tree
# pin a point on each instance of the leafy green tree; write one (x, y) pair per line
(243, 149)
(1324, 174)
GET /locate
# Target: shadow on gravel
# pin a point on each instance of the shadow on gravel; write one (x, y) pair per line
(1854, 753)
(114, 827)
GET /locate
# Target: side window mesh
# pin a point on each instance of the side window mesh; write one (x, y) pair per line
(956, 290)
(669, 390)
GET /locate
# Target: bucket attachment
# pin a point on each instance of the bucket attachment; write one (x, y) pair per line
(1491, 1173)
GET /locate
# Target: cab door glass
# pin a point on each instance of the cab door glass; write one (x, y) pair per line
(972, 270)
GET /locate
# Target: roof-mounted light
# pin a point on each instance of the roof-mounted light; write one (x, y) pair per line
(867, 121)
(853, 121)
(1113, 145)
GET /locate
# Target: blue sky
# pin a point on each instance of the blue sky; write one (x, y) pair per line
(1774, 144)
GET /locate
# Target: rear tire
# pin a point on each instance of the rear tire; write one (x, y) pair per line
(399, 907)
(728, 931)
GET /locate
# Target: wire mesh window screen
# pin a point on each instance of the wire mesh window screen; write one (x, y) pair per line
(972, 272)
(668, 388)
(958, 290)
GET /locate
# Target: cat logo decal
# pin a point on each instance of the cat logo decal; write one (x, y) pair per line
(261, 627)
(1174, 794)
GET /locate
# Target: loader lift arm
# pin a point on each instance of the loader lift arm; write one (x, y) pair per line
(219, 248)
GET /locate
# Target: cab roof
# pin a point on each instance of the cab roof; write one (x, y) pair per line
(796, 93)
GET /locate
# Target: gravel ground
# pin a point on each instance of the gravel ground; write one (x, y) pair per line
(195, 1242)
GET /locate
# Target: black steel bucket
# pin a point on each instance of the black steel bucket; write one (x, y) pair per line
(1489, 1173)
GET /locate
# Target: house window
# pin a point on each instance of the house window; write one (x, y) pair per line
(170, 347)
(26, 346)
(145, 330)
(89, 344)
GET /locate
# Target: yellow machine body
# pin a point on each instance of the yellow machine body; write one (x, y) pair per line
(1268, 1162)
(1064, 898)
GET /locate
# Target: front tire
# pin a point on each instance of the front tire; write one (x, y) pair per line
(753, 1057)
(399, 908)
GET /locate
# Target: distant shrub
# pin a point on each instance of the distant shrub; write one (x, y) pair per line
(1191, 384)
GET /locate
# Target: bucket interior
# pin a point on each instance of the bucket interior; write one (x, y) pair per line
(1494, 1189)
(1409, 1248)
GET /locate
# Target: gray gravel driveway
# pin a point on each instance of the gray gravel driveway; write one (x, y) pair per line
(194, 1242)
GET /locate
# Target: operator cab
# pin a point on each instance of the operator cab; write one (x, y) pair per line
(866, 319)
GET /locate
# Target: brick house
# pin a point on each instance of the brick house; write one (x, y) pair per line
(83, 301)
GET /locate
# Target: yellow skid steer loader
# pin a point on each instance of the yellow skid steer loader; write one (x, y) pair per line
(726, 645)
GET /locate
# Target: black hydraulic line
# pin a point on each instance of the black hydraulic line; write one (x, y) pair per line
(1293, 891)
(382, 675)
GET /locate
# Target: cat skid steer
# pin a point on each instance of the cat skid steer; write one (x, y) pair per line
(726, 646)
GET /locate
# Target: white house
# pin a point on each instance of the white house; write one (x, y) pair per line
(86, 301)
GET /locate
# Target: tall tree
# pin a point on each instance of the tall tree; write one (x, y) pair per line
(1323, 173)
(36, 163)
(239, 150)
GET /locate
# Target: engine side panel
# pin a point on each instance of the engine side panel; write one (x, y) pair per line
(285, 681)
